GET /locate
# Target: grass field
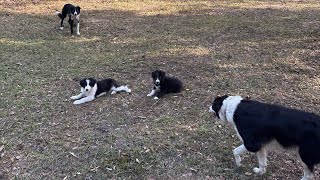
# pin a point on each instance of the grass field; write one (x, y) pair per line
(268, 50)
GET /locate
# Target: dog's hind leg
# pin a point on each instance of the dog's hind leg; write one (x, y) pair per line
(262, 158)
(237, 152)
(62, 17)
(309, 153)
(114, 89)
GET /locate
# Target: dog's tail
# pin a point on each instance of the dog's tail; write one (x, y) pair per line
(59, 14)
(122, 88)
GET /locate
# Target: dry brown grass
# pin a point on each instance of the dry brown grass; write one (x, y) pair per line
(267, 50)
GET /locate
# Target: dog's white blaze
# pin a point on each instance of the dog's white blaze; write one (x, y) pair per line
(87, 87)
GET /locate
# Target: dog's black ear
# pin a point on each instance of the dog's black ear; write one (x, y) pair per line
(78, 8)
(220, 98)
(224, 97)
(92, 82)
(153, 74)
(162, 73)
(83, 83)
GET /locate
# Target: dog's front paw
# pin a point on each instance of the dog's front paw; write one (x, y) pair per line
(237, 158)
(77, 102)
(156, 98)
(149, 94)
(78, 33)
(129, 90)
(259, 171)
(238, 163)
(61, 28)
(74, 97)
(113, 92)
(307, 178)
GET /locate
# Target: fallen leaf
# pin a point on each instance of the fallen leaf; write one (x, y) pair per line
(73, 154)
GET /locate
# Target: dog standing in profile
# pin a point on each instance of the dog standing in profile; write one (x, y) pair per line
(164, 84)
(73, 12)
(263, 127)
(90, 89)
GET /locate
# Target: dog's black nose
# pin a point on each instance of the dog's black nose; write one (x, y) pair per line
(87, 89)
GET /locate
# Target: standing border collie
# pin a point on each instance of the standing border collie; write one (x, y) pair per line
(90, 89)
(164, 84)
(73, 12)
(260, 126)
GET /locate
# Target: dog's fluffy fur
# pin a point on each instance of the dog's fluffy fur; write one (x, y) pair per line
(260, 126)
(164, 84)
(73, 12)
(90, 89)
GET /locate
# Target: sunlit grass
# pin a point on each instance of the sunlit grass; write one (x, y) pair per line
(157, 7)
(197, 51)
(7, 41)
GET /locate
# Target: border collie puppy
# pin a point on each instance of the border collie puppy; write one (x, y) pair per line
(263, 127)
(73, 12)
(90, 89)
(164, 84)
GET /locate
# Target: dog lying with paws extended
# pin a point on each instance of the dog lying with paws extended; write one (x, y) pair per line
(164, 84)
(90, 89)
(73, 12)
(263, 127)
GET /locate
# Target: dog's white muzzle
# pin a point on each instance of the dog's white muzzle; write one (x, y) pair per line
(157, 82)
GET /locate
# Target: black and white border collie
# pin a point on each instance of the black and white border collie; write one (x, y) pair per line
(90, 89)
(262, 126)
(164, 84)
(73, 12)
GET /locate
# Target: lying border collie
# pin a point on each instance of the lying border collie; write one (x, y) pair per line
(164, 84)
(261, 126)
(90, 89)
(73, 12)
